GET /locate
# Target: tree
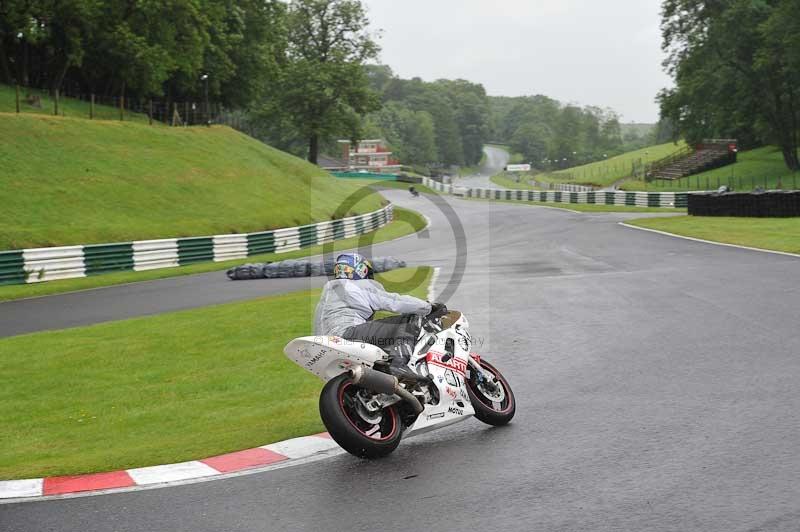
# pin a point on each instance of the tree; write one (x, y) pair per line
(736, 72)
(323, 88)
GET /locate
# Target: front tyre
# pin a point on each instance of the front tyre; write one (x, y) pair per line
(357, 431)
(492, 400)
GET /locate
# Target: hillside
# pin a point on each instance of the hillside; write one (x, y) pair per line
(69, 107)
(762, 167)
(75, 181)
(604, 173)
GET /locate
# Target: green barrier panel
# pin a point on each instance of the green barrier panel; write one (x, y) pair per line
(307, 235)
(590, 197)
(338, 229)
(360, 225)
(654, 200)
(195, 250)
(557, 197)
(573, 197)
(530, 195)
(260, 243)
(681, 199)
(630, 198)
(610, 198)
(105, 258)
(12, 267)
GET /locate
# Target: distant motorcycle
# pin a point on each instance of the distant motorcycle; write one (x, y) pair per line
(413, 191)
(366, 410)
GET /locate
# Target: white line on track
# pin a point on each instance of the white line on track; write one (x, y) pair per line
(774, 252)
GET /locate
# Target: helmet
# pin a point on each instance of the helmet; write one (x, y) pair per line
(352, 266)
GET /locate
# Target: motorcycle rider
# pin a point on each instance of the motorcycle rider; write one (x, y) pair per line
(349, 302)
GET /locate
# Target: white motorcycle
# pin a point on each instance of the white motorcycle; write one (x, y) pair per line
(366, 410)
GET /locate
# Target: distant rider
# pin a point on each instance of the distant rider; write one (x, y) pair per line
(349, 302)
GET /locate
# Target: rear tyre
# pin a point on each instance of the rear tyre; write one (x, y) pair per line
(357, 431)
(493, 402)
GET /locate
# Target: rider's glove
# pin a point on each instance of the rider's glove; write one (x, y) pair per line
(437, 311)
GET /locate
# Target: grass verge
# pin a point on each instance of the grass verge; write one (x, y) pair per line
(160, 389)
(507, 182)
(778, 234)
(583, 207)
(378, 184)
(405, 222)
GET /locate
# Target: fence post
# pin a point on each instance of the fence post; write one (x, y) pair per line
(56, 104)
(185, 114)
(91, 107)
(17, 98)
(150, 111)
(122, 107)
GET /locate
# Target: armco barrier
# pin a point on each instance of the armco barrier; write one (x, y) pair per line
(677, 200)
(49, 264)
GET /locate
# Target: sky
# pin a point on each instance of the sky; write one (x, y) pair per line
(590, 52)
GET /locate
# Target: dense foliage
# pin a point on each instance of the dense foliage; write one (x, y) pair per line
(736, 66)
(143, 48)
(442, 122)
(550, 134)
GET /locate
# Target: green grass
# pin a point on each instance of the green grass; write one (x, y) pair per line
(73, 181)
(762, 167)
(405, 222)
(66, 106)
(507, 182)
(378, 183)
(604, 173)
(160, 389)
(779, 234)
(583, 207)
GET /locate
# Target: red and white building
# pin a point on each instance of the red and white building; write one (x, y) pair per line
(370, 155)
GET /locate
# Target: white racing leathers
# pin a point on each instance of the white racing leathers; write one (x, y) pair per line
(345, 303)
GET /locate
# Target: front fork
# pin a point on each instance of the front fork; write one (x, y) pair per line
(481, 375)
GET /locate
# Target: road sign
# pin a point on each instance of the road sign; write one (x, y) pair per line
(518, 168)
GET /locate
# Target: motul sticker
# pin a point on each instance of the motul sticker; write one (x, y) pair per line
(456, 364)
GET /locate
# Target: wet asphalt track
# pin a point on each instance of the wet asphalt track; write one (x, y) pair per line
(656, 380)
(496, 159)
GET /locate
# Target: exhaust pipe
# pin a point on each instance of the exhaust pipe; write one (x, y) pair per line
(379, 382)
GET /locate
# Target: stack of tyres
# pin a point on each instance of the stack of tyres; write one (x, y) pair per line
(771, 204)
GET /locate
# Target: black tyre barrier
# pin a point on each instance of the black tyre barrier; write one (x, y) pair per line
(302, 268)
(770, 204)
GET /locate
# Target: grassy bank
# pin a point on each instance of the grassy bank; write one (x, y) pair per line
(74, 181)
(159, 389)
(604, 173)
(378, 183)
(507, 182)
(779, 234)
(66, 106)
(762, 167)
(405, 222)
(583, 207)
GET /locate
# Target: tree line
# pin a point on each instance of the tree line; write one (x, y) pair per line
(736, 66)
(550, 134)
(300, 74)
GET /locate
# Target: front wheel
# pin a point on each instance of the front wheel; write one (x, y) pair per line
(357, 430)
(492, 399)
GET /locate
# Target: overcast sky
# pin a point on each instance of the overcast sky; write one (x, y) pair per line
(592, 52)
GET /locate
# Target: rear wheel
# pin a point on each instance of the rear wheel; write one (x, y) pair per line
(357, 430)
(491, 396)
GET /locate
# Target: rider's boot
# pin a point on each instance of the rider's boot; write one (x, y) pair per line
(399, 365)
